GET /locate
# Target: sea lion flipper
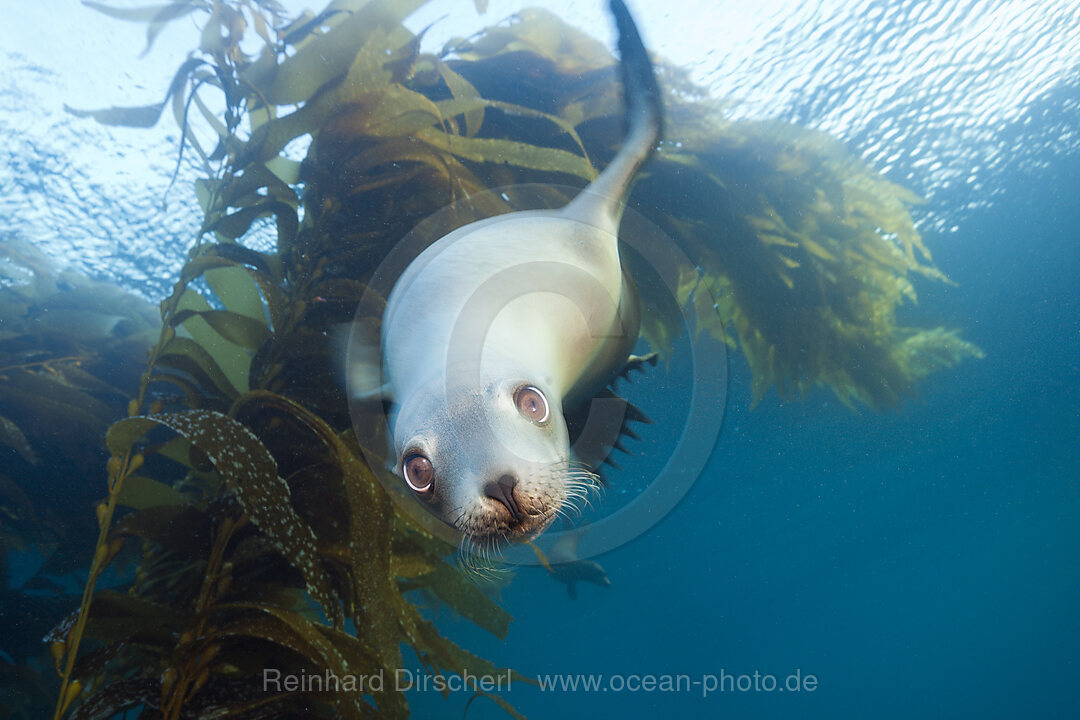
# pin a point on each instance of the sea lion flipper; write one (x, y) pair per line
(637, 363)
(602, 202)
(566, 567)
(363, 365)
(594, 445)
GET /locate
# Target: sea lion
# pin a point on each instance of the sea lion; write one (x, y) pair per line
(565, 566)
(502, 326)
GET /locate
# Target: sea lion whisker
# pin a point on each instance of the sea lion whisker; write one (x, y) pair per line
(475, 557)
(569, 510)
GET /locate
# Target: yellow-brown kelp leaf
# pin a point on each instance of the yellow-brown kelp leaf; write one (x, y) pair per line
(237, 293)
(221, 255)
(13, 437)
(541, 33)
(366, 81)
(466, 598)
(119, 616)
(116, 698)
(326, 57)
(925, 351)
(450, 109)
(143, 115)
(234, 225)
(141, 492)
(391, 701)
(255, 185)
(443, 654)
(381, 613)
(521, 154)
(181, 531)
(501, 702)
(808, 253)
(463, 91)
(310, 640)
(238, 329)
(259, 192)
(156, 15)
(410, 566)
(189, 357)
(223, 30)
(380, 606)
(233, 358)
(251, 473)
(419, 563)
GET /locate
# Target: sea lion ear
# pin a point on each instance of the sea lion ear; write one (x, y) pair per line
(357, 349)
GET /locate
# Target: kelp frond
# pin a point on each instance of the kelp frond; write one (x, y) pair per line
(810, 254)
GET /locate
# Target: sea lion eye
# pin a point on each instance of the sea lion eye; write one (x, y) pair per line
(419, 473)
(532, 404)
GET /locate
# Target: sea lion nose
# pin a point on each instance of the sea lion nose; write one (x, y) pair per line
(502, 491)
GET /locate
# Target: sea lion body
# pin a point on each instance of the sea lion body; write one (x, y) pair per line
(501, 326)
(570, 321)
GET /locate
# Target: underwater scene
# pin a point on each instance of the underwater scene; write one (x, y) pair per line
(472, 358)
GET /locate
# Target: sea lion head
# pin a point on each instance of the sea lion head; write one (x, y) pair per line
(489, 456)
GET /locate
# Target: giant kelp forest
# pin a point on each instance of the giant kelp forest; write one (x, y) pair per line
(207, 443)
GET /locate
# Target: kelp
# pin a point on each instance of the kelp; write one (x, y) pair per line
(265, 539)
(810, 255)
(226, 582)
(70, 350)
(243, 555)
(263, 536)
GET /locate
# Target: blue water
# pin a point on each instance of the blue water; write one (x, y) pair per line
(924, 562)
(921, 563)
